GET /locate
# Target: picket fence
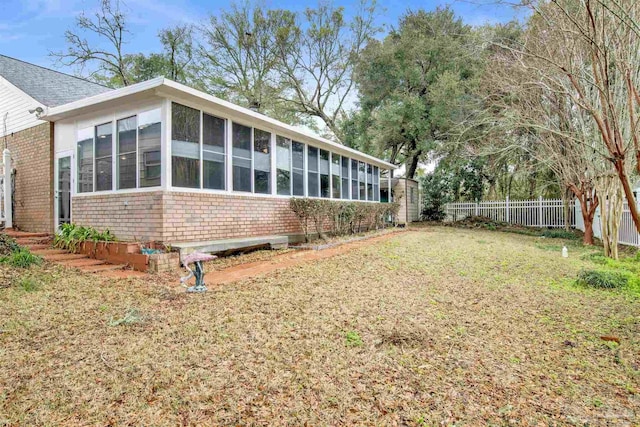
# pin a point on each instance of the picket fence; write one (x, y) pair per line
(543, 213)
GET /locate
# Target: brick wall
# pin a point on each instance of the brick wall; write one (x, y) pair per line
(32, 153)
(181, 217)
(133, 216)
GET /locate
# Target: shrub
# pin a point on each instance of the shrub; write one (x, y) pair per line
(603, 279)
(22, 258)
(559, 234)
(8, 245)
(71, 235)
(341, 217)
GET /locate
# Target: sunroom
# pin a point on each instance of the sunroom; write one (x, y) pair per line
(162, 161)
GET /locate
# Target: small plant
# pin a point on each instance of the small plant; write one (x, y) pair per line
(29, 284)
(132, 316)
(603, 279)
(22, 258)
(70, 236)
(353, 339)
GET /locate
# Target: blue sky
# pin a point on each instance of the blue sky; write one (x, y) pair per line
(30, 29)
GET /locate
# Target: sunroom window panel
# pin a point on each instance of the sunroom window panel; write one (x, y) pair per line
(376, 184)
(345, 177)
(335, 176)
(283, 165)
(185, 146)
(361, 181)
(85, 161)
(262, 161)
(104, 158)
(324, 173)
(312, 178)
(369, 182)
(354, 180)
(126, 153)
(241, 140)
(297, 163)
(213, 152)
(150, 148)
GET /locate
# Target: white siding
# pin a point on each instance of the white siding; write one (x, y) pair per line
(17, 104)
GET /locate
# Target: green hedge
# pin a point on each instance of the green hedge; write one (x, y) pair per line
(341, 217)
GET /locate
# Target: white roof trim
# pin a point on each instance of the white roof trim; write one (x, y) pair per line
(72, 108)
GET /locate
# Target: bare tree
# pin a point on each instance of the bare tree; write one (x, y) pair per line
(318, 56)
(240, 57)
(591, 49)
(178, 50)
(109, 24)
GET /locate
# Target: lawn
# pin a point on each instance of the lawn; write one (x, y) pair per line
(437, 325)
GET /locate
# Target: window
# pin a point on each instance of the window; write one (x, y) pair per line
(324, 173)
(213, 152)
(361, 181)
(85, 160)
(241, 158)
(283, 165)
(312, 166)
(126, 153)
(297, 167)
(345, 178)
(103, 150)
(262, 161)
(335, 176)
(376, 184)
(369, 182)
(149, 148)
(185, 146)
(385, 194)
(412, 195)
(354, 179)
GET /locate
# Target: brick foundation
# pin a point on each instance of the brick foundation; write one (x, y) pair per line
(182, 217)
(32, 153)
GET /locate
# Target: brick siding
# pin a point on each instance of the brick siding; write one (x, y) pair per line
(181, 217)
(32, 153)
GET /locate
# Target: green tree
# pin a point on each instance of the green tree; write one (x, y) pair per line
(413, 86)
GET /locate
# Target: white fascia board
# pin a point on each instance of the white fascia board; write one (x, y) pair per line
(168, 88)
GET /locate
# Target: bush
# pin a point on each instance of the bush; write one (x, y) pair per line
(603, 279)
(70, 236)
(341, 217)
(559, 234)
(7, 245)
(22, 258)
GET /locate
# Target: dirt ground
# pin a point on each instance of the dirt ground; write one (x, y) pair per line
(439, 326)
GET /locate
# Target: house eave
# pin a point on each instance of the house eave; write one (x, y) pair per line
(169, 89)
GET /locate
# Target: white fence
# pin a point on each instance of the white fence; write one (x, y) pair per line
(627, 233)
(541, 213)
(532, 213)
(6, 216)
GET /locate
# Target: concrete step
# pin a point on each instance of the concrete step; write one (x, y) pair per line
(78, 263)
(64, 257)
(24, 234)
(37, 246)
(49, 251)
(103, 267)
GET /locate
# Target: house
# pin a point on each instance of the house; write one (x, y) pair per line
(160, 161)
(25, 87)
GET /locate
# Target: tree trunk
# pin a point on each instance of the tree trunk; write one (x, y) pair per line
(588, 232)
(412, 165)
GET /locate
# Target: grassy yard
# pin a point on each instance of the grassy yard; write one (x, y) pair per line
(438, 325)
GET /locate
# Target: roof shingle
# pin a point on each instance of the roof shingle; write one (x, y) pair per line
(49, 87)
